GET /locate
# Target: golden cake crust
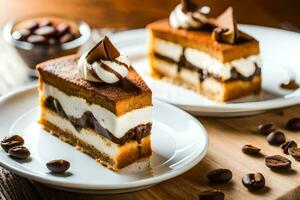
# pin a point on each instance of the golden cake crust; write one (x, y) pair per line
(203, 41)
(234, 89)
(129, 94)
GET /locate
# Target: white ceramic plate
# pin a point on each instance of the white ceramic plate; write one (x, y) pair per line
(179, 142)
(280, 52)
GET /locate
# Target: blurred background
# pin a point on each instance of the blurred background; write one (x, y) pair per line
(137, 13)
(107, 16)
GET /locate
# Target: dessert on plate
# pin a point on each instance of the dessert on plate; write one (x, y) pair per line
(98, 103)
(208, 55)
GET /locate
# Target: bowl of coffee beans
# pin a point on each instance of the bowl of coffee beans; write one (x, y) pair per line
(42, 38)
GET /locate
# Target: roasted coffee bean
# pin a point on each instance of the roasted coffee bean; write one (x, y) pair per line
(11, 141)
(278, 162)
(66, 38)
(250, 149)
(8, 145)
(45, 22)
(62, 28)
(265, 129)
(289, 144)
(212, 195)
(19, 152)
(219, 176)
(58, 166)
(293, 124)
(276, 138)
(295, 152)
(37, 39)
(254, 181)
(31, 26)
(21, 35)
(46, 31)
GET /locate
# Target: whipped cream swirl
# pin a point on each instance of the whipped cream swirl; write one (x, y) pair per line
(104, 70)
(103, 63)
(191, 19)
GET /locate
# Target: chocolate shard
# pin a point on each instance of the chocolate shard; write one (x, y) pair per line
(104, 50)
(226, 31)
(189, 6)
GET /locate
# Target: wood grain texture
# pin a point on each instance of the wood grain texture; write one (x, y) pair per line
(137, 13)
(13, 187)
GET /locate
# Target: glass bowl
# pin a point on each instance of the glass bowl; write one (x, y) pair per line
(32, 54)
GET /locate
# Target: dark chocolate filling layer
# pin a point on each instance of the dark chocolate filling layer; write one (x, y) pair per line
(87, 120)
(203, 74)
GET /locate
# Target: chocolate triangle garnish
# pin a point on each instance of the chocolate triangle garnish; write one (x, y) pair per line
(104, 50)
(227, 23)
(189, 6)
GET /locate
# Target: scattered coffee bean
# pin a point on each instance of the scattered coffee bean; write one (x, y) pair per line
(58, 166)
(211, 195)
(293, 124)
(219, 176)
(250, 149)
(295, 152)
(265, 129)
(66, 38)
(8, 145)
(62, 28)
(276, 138)
(277, 162)
(289, 144)
(11, 141)
(254, 181)
(19, 152)
(31, 26)
(37, 39)
(46, 31)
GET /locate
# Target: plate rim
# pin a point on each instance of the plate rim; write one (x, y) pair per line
(276, 103)
(128, 185)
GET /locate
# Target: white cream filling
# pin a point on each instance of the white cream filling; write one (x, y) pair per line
(192, 77)
(85, 135)
(168, 49)
(117, 125)
(245, 66)
(171, 70)
(212, 86)
(166, 68)
(179, 19)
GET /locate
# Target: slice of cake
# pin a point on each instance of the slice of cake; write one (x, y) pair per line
(99, 104)
(205, 54)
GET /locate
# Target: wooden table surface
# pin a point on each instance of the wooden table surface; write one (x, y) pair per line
(227, 136)
(138, 13)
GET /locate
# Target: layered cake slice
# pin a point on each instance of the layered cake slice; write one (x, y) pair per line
(208, 55)
(98, 103)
